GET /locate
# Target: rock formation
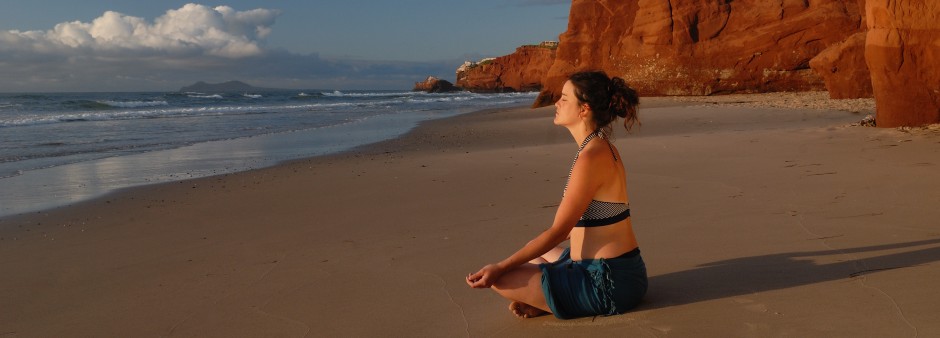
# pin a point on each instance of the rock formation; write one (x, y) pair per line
(435, 85)
(519, 71)
(843, 68)
(903, 54)
(888, 49)
(698, 47)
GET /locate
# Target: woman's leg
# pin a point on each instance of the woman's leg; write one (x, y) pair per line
(523, 285)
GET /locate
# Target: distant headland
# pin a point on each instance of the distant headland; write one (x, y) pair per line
(225, 87)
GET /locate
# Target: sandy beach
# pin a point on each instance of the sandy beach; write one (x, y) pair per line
(755, 218)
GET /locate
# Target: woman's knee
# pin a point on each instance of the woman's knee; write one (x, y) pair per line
(523, 284)
(518, 278)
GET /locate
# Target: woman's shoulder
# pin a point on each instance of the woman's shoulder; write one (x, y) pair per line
(597, 152)
(598, 148)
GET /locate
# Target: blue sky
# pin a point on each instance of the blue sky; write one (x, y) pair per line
(66, 45)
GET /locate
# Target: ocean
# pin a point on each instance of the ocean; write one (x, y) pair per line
(61, 148)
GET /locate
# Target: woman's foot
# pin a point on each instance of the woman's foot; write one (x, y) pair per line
(523, 310)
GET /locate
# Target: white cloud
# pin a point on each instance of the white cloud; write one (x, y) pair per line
(117, 52)
(190, 30)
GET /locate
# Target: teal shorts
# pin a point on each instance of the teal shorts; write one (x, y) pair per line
(591, 287)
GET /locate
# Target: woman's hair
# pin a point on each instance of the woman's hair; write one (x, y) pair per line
(607, 97)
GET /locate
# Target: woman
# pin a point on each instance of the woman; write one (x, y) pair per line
(602, 272)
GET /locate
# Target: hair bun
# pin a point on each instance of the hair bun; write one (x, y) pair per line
(622, 97)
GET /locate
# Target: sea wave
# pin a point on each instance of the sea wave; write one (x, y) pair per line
(306, 96)
(204, 96)
(337, 93)
(133, 104)
(86, 104)
(113, 114)
(29, 120)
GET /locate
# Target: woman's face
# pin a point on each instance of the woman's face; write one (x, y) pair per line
(567, 109)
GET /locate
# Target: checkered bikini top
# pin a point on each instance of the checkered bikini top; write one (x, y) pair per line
(599, 213)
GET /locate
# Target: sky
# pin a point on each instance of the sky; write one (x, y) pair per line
(142, 45)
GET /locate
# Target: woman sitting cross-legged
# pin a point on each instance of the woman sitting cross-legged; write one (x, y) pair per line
(601, 273)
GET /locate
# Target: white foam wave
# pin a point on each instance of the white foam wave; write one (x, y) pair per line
(35, 119)
(252, 96)
(337, 93)
(204, 96)
(133, 104)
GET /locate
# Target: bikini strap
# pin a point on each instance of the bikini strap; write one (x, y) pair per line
(588, 139)
(585, 142)
(612, 152)
(580, 148)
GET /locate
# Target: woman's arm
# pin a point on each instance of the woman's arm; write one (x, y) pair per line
(582, 186)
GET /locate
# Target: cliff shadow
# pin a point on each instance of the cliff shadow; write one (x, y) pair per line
(743, 276)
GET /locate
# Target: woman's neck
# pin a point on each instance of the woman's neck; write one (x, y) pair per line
(579, 133)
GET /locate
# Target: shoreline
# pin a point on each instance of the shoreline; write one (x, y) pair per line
(69, 194)
(77, 194)
(73, 183)
(753, 221)
(383, 146)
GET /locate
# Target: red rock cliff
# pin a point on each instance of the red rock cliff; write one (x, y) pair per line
(903, 53)
(519, 71)
(701, 47)
(843, 68)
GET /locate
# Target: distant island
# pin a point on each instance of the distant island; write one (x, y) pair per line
(225, 87)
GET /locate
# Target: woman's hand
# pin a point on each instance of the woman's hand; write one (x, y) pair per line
(485, 277)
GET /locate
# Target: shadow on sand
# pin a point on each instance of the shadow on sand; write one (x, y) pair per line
(742, 276)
